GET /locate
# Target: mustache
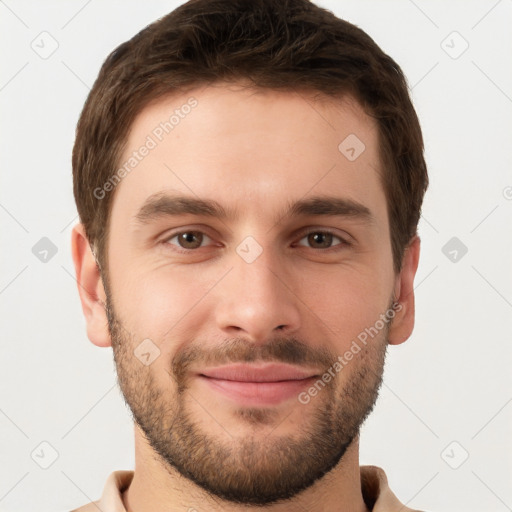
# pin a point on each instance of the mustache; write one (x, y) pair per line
(239, 350)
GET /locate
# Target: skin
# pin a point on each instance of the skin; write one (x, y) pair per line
(295, 300)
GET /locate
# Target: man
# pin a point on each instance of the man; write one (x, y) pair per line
(249, 177)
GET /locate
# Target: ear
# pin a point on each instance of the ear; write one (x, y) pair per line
(403, 322)
(90, 288)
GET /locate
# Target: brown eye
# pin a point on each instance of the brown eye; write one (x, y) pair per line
(188, 239)
(322, 239)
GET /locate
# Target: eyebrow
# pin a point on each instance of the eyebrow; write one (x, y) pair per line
(164, 205)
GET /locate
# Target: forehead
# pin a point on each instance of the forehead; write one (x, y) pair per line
(250, 148)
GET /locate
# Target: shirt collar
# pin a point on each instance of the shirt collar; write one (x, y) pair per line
(374, 487)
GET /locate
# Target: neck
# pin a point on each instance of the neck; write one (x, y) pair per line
(157, 487)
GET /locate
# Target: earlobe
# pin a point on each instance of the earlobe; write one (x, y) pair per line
(90, 288)
(403, 322)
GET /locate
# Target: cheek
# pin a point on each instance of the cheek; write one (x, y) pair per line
(160, 303)
(346, 300)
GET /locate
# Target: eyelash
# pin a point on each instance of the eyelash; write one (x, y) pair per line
(181, 250)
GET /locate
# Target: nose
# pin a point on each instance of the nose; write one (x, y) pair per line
(257, 299)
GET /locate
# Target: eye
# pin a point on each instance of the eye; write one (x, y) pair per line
(188, 240)
(322, 239)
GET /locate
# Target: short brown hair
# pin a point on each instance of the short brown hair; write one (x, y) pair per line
(274, 44)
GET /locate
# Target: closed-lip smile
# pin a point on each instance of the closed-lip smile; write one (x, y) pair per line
(258, 384)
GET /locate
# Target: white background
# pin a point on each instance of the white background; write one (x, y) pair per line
(450, 382)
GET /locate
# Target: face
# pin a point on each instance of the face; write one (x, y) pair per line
(277, 278)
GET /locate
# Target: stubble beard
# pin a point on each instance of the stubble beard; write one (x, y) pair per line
(248, 469)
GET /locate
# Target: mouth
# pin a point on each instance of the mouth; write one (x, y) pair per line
(263, 385)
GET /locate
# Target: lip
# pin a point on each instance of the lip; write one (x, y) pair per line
(270, 372)
(267, 384)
